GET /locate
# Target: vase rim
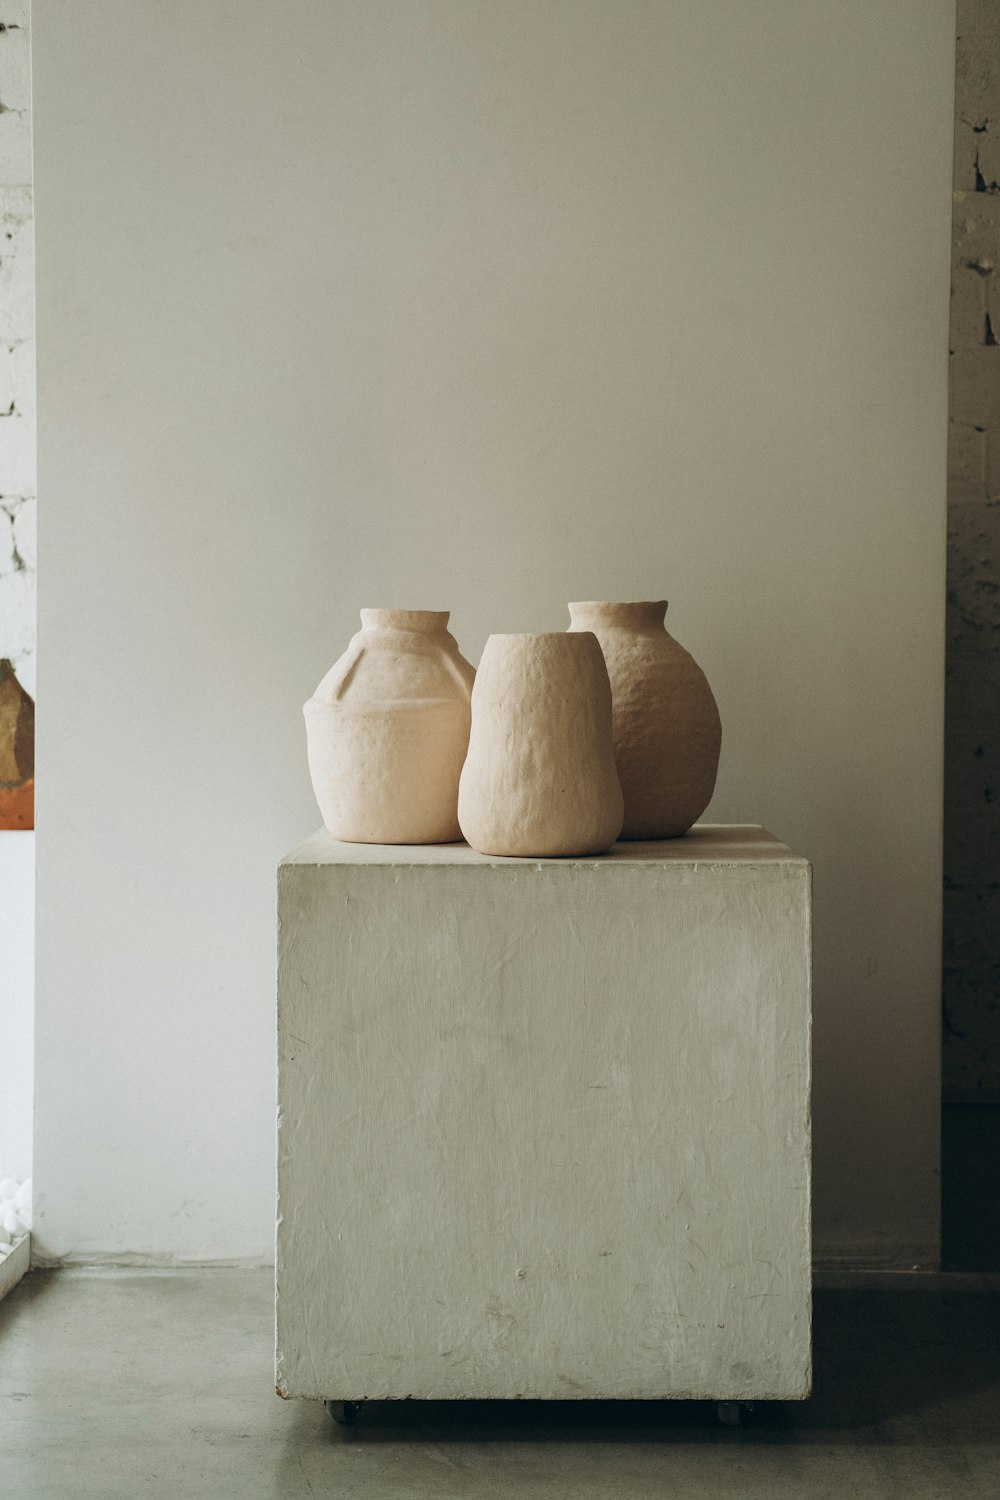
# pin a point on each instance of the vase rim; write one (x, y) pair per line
(637, 614)
(420, 621)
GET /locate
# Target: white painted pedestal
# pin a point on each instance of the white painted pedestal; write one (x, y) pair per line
(544, 1124)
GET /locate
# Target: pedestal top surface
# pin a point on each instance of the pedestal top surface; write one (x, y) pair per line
(707, 843)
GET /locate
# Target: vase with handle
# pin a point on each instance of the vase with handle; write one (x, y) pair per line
(388, 728)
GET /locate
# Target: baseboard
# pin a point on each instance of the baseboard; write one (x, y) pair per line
(866, 1256)
(849, 1259)
(134, 1260)
(15, 1265)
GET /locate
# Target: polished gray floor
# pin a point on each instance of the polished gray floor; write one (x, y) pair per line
(126, 1385)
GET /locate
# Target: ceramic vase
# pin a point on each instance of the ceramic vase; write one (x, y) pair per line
(387, 731)
(540, 778)
(667, 732)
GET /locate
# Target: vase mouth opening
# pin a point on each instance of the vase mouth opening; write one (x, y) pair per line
(542, 645)
(556, 639)
(631, 612)
(417, 621)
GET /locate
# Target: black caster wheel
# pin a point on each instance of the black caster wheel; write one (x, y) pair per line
(344, 1413)
(731, 1413)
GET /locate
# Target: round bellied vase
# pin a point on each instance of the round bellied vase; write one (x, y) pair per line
(388, 728)
(539, 779)
(667, 731)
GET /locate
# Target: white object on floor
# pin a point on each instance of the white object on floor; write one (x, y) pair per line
(15, 1260)
(544, 1125)
(22, 1203)
(15, 1207)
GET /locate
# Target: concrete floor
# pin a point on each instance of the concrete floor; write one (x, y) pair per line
(128, 1384)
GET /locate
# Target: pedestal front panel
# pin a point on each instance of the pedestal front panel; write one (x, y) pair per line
(543, 1125)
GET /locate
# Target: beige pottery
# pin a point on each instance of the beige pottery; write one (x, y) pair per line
(667, 732)
(540, 779)
(387, 731)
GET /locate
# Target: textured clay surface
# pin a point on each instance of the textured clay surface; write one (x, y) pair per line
(388, 728)
(667, 731)
(540, 776)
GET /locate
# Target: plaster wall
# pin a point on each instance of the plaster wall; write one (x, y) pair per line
(972, 761)
(488, 306)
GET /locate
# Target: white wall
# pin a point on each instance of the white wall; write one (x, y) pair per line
(487, 305)
(17, 570)
(17, 350)
(17, 956)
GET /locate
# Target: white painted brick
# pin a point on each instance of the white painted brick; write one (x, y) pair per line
(16, 266)
(972, 821)
(977, 73)
(976, 211)
(17, 615)
(975, 387)
(15, 65)
(21, 360)
(968, 17)
(15, 101)
(989, 156)
(25, 532)
(966, 145)
(8, 376)
(7, 546)
(17, 455)
(16, 13)
(966, 460)
(976, 239)
(968, 309)
(15, 145)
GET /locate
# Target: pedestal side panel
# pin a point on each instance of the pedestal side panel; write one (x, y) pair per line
(543, 1131)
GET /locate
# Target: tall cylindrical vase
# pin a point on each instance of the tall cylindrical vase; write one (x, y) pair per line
(388, 728)
(539, 779)
(667, 731)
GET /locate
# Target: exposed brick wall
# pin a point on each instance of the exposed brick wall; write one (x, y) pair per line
(17, 349)
(972, 763)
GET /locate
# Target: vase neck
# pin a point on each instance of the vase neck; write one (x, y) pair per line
(647, 614)
(416, 621)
